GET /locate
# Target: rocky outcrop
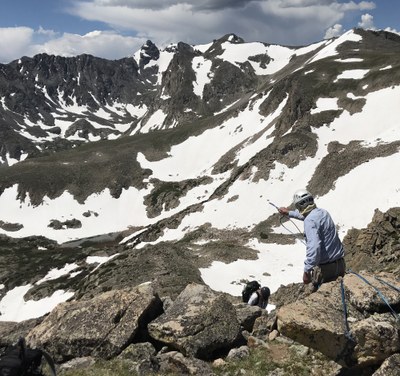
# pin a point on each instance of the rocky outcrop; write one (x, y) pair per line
(169, 267)
(202, 327)
(102, 326)
(366, 335)
(377, 246)
(200, 323)
(390, 367)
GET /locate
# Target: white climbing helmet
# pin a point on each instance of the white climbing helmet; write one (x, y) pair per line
(302, 199)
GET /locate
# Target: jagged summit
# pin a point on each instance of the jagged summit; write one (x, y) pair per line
(51, 104)
(148, 52)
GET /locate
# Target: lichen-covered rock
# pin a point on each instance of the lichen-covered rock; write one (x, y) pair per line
(200, 323)
(175, 363)
(376, 337)
(102, 326)
(11, 331)
(390, 367)
(366, 289)
(247, 315)
(318, 321)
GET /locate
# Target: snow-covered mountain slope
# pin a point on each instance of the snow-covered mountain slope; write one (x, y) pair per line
(198, 142)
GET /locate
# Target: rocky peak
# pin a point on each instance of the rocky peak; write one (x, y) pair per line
(148, 52)
(232, 38)
(376, 245)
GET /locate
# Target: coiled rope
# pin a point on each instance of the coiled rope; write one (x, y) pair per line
(286, 228)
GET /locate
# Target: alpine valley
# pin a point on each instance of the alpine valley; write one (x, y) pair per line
(162, 171)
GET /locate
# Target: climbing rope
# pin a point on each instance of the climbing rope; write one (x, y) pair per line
(387, 284)
(286, 228)
(347, 332)
(383, 298)
(293, 233)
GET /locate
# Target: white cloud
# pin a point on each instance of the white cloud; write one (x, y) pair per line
(131, 22)
(272, 21)
(107, 44)
(334, 31)
(367, 21)
(391, 30)
(14, 42)
(351, 5)
(23, 41)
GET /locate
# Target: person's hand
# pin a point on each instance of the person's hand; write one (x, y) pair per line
(284, 211)
(306, 278)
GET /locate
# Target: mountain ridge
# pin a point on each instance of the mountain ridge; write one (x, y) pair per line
(221, 131)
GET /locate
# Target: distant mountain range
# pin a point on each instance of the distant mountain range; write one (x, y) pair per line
(189, 145)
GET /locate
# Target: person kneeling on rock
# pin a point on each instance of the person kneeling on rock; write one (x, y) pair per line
(260, 297)
(324, 251)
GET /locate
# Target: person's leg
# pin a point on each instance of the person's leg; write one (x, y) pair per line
(330, 272)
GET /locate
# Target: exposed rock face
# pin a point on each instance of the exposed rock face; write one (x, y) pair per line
(102, 326)
(200, 323)
(131, 325)
(377, 337)
(11, 331)
(148, 52)
(318, 321)
(390, 367)
(169, 267)
(377, 245)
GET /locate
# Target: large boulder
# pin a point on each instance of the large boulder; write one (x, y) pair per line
(247, 315)
(200, 323)
(365, 291)
(102, 326)
(376, 338)
(390, 367)
(11, 331)
(360, 338)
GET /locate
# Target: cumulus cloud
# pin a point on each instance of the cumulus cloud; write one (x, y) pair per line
(14, 41)
(351, 5)
(292, 22)
(334, 31)
(17, 42)
(390, 29)
(106, 44)
(367, 22)
(131, 22)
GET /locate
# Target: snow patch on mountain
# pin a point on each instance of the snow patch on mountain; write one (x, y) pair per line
(331, 47)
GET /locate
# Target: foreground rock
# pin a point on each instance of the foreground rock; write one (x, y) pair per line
(149, 335)
(318, 321)
(200, 323)
(100, 327)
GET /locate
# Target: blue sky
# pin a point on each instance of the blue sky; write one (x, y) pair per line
(117, 28)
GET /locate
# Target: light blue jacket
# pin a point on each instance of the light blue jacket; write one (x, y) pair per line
(322, 241)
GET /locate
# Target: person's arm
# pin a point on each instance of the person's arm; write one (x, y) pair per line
(253, 299)
(313, 246)
(291, 213)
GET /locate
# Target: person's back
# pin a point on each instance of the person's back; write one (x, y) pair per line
(331, 246)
